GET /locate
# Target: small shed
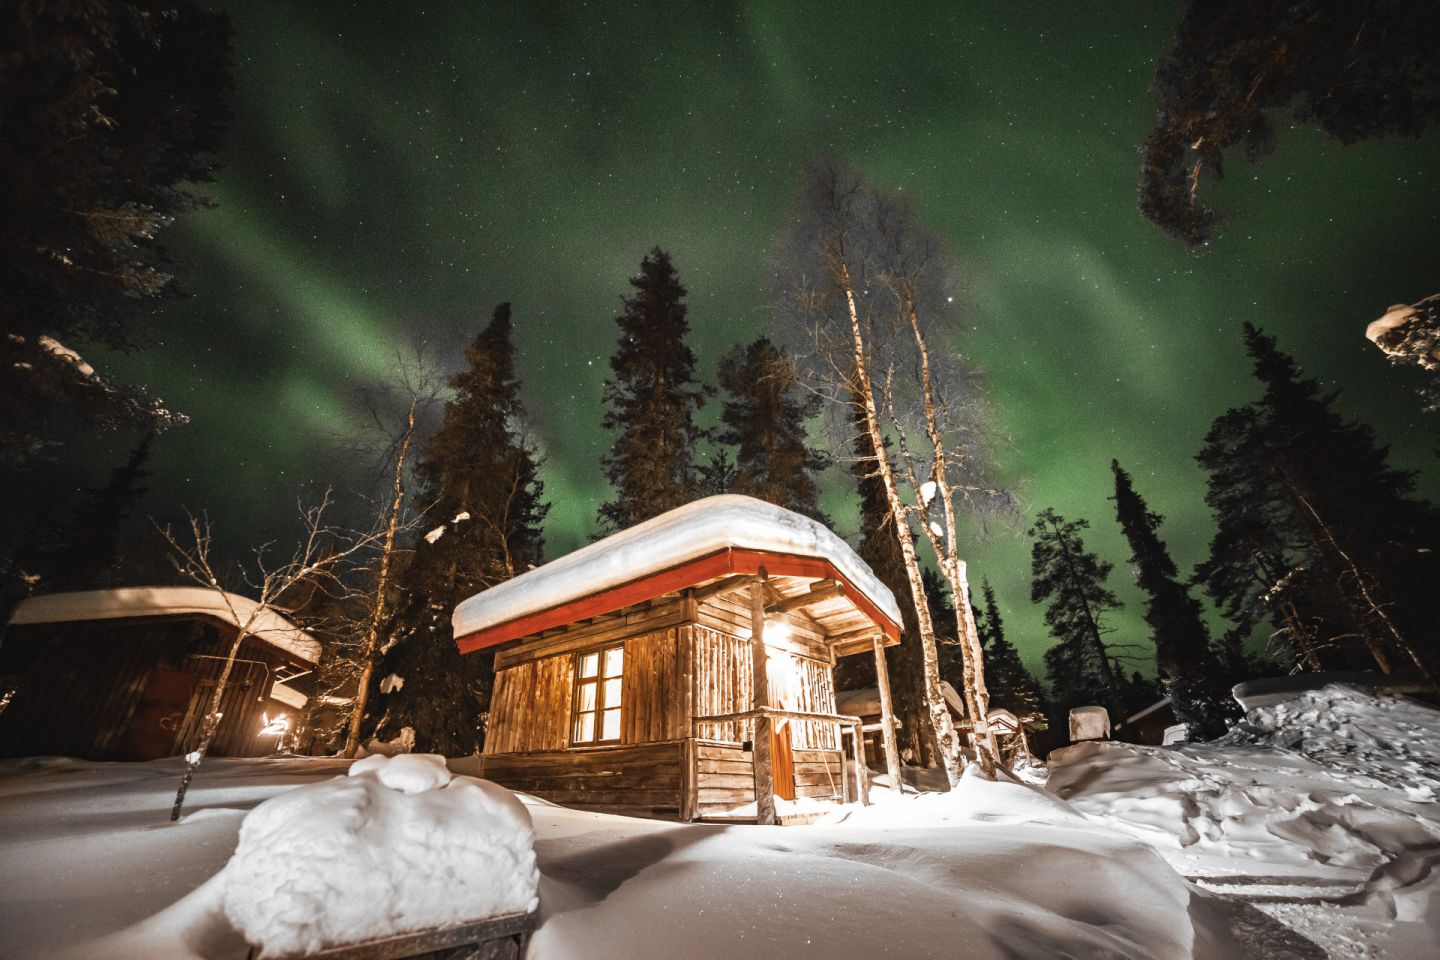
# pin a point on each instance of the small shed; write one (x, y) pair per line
(684, 668)
(127, 674)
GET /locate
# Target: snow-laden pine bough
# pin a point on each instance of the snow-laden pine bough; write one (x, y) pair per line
(684, 668)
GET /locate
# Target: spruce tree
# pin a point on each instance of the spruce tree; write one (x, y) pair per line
(1239, 70)
(1070, 580)
(480, 475)
(107, 112)
(1315, 531)
(87, 547)
(652, 397)
(1011, 685)
(1187, 666)
(764, 418)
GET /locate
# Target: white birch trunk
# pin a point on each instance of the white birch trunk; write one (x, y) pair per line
(934, 700)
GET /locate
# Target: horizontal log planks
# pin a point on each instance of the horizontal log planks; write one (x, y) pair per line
(820, 774)
(639, 780)
(602, 630)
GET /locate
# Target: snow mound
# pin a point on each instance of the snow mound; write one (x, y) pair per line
(1336, 782)
(973, 800)
(1366, 738)
(406, 772)
(399, 845)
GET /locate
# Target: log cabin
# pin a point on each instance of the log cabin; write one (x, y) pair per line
(127, 674)
(684, 668)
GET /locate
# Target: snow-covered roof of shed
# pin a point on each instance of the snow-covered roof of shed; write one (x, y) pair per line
(123, 602)
(686, 533)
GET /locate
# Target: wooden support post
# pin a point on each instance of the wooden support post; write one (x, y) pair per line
(760, 687)
(862, 772)
(887, 717)
(689, 787)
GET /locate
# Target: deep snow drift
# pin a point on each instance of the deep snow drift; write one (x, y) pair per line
(90, 867)
(398, 845)
(1330, 798)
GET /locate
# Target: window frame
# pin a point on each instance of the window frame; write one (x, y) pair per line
(602, 705)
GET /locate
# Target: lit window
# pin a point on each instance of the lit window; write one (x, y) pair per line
(597, 695)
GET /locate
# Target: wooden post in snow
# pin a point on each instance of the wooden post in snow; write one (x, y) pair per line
(760, 686)
(887, 718)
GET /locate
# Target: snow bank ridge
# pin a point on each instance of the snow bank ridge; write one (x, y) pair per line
(399, 845)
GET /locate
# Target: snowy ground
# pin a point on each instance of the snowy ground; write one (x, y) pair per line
(995, 871)
(1323, 812)
(1310, 833)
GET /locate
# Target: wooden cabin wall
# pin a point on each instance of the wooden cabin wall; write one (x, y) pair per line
(639, 780)
(723, 684)
(530, 706)
(243, 706)
(820, 774)
(652, 707)
(724, 778)
(682, 660)
(130, 689)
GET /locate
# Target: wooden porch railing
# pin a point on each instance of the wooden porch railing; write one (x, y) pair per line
(847, 724)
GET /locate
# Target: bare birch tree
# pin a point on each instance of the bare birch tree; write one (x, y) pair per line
(850, 279)
(939, 415)
(319, 558)
(413, 393)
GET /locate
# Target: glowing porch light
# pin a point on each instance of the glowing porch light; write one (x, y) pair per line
(274, 728)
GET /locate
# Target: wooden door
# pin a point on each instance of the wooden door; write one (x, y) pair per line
(150, 734)
(782, 761)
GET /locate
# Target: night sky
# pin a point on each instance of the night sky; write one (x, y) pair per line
(396, 170)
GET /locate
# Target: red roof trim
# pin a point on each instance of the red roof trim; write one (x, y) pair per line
(724, 563)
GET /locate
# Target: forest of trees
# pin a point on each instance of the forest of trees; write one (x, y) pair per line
(859, 387)
(1320, 559)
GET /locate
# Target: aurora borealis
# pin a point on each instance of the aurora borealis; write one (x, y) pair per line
(395, 171)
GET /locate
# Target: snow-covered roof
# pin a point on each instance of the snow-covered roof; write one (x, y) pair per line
(686, 533)
(123, 602)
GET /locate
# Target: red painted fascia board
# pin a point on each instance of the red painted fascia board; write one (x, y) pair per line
(723, 563)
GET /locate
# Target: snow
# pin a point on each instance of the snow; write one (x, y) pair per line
(1312, 830)
(391, 683)
(58, 349)
(123, 602)
(687, 533)
(90, 867)
(398, 845)
(1089, 723)
(406, 772)
(1329, 801)
(435, 534)
(1396, 316)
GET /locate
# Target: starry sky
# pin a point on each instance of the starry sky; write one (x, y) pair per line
(396, 170)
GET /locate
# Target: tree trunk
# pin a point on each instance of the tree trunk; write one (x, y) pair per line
(939, 713)
(1375, 607)
(972, 656)
(382, 586)
(210, 723)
